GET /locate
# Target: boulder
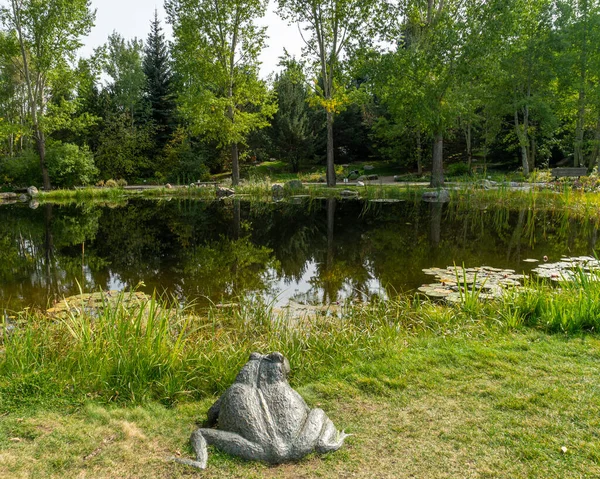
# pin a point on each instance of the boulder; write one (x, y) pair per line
(277, 189)
(349, 194)
(169, 186)
(294, 185)
(439, 196)
(224, 192)
(368, 168)
(34, 204)
(372, 178)
(32, 191)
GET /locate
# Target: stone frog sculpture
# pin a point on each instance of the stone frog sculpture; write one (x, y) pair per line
(260, 417)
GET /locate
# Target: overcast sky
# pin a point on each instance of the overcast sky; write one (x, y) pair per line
(131, 18)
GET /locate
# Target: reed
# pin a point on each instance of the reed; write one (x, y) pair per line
(159, 351)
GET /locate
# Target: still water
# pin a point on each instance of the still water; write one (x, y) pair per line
(319, 251)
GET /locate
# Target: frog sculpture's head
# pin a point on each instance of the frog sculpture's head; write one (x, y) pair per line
(274, 368)
(264, 369)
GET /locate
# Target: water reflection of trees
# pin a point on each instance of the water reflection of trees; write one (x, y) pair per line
(195, 249)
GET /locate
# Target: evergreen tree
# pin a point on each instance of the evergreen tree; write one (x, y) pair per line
(159, 84)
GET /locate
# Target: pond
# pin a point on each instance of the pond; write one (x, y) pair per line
(305, 251)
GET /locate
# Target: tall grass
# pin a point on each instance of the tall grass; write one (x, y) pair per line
(159, 351)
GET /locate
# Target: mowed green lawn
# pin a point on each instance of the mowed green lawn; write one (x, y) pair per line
(473, 405)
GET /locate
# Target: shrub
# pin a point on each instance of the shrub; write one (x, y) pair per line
(110, 184)
(459, 169)
(69, 165)
(23, 170)
(121, 183)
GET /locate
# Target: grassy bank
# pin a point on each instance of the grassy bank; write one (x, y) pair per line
(466, 196)
(474, 390)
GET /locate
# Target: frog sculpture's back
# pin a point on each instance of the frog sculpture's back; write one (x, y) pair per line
(260, 417)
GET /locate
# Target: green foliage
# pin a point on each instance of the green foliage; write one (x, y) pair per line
(23, 170)
(220, 94)
(123, 63)
(46, 36)
(122, 149)
(70, 165)
(290, 134)
(159, 88)
(459, 169)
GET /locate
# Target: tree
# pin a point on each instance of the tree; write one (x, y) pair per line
(123, 63)
(290, 126)
(522, 83)
(332, 27)
(425, 74)
(216, 49)
(158, 88)
(578, 29)
(48, 34)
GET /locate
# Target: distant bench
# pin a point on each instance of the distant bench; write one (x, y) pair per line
(565, 172)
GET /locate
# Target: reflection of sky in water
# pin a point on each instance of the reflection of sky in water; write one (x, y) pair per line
(288, 253)
(306, 290)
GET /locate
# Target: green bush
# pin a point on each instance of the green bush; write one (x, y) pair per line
(459, 169)
(69, 165)
(111, 184)
(121, 182)
(23, 170)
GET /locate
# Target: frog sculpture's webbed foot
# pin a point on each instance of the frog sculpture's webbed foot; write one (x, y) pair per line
(318, 434)
(226, 441)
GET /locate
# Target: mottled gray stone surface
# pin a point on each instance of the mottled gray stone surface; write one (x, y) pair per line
(224, 192)
(261, 418)
(440, 196)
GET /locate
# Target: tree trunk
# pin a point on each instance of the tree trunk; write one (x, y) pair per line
(532, 153)
(235, 165)
(522, 136)
(578, 157)
(437, 170)
(578, 147)
(469, 146)
(40, 141)
(331, 180)
(595, 156)
(33, 99)
(419, 154)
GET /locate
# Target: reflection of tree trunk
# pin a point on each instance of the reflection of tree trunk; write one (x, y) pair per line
(515, 242)
(49, 251)
(437, 171)
(593, 240)
(573, 234)
(329, 293)
(237, 219)
(435, 215)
